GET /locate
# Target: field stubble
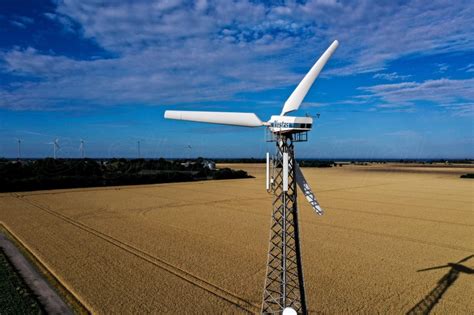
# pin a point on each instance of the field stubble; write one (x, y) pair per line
(202, 246)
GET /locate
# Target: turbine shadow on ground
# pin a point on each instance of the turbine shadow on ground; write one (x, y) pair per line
(431, 299)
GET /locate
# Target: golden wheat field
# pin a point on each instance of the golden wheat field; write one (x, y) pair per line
(202, 247)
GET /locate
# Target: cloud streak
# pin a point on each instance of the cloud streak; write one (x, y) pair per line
(454, 95)
(390, 76)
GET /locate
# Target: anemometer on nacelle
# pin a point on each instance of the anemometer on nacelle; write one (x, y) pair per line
(284, 288)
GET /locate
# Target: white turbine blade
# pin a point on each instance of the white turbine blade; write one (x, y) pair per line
(236, 119)
(303, 185)
(298, 95)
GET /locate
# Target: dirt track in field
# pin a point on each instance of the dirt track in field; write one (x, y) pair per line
(201, 247)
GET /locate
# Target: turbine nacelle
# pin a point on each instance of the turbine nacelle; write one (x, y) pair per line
(289, 124)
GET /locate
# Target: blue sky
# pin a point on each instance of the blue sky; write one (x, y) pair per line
(400, 85)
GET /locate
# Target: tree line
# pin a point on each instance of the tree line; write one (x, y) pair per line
(74, 173)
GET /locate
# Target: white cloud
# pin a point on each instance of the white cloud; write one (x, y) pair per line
(168, 52)
(65, 21)
(376, 33)
(390, 76)
(462, 109)
(468, 68)
(442, 67)
(153, 77)
(371, 33)
(21, 21)
(454, 95)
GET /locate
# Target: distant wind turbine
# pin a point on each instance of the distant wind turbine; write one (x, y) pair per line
(19, 148)
(138, 148)
(81, 148)
(56, 146)
(189, 147)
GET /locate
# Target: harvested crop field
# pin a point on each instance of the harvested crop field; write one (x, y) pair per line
(202, 247)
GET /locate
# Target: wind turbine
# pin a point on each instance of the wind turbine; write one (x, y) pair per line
(138, 148)
(189, 148)
(56, 147)
(19, 148)
(284, 284)
(81, 148)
